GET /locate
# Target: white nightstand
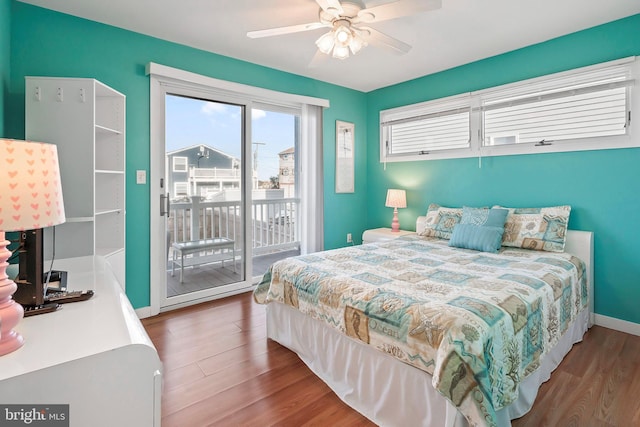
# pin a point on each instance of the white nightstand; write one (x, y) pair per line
(382, 234)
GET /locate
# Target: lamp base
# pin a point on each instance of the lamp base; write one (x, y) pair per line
(395, 224)
(10, 312)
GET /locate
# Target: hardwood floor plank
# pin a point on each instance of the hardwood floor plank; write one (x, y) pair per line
(325, 408)
(271, 409)
(614, 389)
(229, 401)
(630, 405)
(547, 399)
(182, 376)
(220, 370)
(182, 396)
(230, 358)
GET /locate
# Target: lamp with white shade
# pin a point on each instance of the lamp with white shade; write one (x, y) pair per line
(30, 198)
(396, 199)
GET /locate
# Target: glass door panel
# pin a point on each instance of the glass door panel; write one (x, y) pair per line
(205, 228)
(275, 221)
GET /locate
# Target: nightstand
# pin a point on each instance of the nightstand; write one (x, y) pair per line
(382, 234)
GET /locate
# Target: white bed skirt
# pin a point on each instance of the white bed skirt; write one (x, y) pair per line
(381, 388)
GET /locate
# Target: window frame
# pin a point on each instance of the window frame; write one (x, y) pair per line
(175, 163)
(630, 139)
(178, 184)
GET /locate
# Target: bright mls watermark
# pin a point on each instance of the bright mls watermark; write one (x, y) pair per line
(34, 415)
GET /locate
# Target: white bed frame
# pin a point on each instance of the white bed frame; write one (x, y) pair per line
(391, 393)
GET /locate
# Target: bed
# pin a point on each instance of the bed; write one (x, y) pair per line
(455, 350)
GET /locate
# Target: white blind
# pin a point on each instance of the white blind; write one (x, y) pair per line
(591, 104)
(427, 127)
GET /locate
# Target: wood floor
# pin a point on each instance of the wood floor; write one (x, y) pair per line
(220, 370)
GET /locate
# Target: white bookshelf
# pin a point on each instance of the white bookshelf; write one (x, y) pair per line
(86, 120)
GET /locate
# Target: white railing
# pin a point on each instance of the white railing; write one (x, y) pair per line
(214, 173)
(273, 223)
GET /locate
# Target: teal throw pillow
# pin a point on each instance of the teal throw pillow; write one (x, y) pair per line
(480, 238)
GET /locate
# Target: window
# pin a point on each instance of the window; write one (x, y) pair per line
(180, 164)
(426, 128)
(584, 105)
(583, 109)
(180, 189)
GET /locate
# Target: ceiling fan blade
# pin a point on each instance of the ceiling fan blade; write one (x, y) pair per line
(285, 30)
(331, 6)
(378, 39)
(318, 59)
(397, 9)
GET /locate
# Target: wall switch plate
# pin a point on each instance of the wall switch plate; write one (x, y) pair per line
(349, 238)
(141, 177)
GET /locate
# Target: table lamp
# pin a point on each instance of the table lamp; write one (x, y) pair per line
(396, 199)
(30, 198)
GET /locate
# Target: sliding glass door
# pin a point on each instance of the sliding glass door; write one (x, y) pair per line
(227, 198)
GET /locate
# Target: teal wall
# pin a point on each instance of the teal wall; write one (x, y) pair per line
(5, 43)
(601, 186)
(46, 43)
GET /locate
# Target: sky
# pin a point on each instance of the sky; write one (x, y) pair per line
(193, 122)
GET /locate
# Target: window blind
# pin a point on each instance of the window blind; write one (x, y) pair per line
(427, 128)
(592, 104)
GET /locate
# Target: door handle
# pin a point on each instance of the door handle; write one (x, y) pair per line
(165, 205)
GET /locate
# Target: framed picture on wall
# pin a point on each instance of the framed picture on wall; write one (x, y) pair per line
(345, 156)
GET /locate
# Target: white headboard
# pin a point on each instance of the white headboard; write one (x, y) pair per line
(578, 243)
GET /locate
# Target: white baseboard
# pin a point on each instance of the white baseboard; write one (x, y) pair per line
(617, 324)
(143, 312)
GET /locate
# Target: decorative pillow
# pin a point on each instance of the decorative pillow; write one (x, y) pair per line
(494, 217)
(440, 221)
(539, 229)
(480, 229)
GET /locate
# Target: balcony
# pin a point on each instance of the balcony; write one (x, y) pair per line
(275, 231)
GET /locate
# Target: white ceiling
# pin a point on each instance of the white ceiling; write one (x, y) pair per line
(462, 31)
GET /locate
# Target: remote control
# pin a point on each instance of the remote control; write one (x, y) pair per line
(32, 310)
(66, 297)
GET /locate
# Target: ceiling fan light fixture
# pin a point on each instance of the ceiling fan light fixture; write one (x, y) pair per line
(341, 52)
(356, 43)
(343, 33)
(326, 42)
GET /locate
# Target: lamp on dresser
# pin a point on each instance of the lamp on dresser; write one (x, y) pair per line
(30, 198)
(396, 199)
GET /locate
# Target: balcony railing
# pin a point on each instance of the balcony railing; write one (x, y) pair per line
(273, 223)
(206, 174)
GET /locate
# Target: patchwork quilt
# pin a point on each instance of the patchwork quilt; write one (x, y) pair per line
(479, 323)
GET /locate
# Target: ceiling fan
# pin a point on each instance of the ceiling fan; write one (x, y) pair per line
(349, 25)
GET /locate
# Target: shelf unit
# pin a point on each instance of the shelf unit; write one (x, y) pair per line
(86, 120)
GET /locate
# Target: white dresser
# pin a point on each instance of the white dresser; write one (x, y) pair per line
(93, 355)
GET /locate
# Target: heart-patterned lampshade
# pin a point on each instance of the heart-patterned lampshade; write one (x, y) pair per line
(30, 188)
